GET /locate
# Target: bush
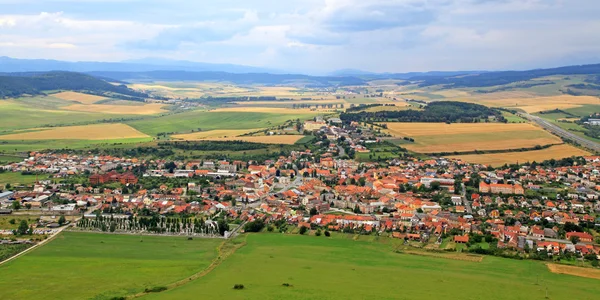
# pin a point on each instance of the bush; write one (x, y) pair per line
(238, 287)
(254, 226)
(318, 233)
(287, 285)
(270, 228)
(156, 289)
(327, 233)
(303, 230)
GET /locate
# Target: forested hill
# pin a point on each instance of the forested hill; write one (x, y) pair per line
(441, 111)
(504, 77)
(18, 84)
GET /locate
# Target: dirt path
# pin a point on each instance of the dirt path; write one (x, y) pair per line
(225, 249)
(34, 246)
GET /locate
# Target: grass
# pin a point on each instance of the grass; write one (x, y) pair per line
(195, 120)
(17, 178)
(7, 159)
(99, 266)
(37, 145)
(366, 267)
(5, 221)
(7, 251)
(91, 132)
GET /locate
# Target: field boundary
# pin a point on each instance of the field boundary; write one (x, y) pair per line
(222, 255)
(574, 271)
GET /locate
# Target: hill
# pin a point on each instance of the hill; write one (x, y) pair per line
(504, 77)
(14, 85)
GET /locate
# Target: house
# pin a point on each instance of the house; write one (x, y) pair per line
(314, 125)
(495, 188)
(461, 239)
(583, 237)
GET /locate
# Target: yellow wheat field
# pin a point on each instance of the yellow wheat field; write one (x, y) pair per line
(537, 104)
(269, 139)
(575, 271)
(86, 132)
(499, 159)
(213, 134)
(146, 109)
(79, 97)
(419, 129)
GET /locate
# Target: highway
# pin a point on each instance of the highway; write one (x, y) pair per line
(562, 133)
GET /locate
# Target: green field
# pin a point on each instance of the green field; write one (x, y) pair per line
(37, 145)
(5, 221)
(194, 120)
(98, 266)
(17, 178)
(343, 268)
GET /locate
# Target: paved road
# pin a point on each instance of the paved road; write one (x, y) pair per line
(466, 203)
(562, 133)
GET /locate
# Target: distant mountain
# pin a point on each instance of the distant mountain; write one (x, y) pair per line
(247, 78)
(350, 72)
(8, 64)
(400, 76)
(34, 83)
(503, 77)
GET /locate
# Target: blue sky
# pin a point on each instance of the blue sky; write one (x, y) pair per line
(309, 35)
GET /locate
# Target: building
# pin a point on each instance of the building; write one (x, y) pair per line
(495, 188)
(5, 196)
(426, 181)
(594, 122)
(583, 237)
(313, 126)
(125, 178)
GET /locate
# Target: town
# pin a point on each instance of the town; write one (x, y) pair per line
(539, 210)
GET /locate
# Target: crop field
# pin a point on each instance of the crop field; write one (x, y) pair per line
(89, 132)
(344, 268)
(78, 97)
(461, 137)
(265, 139)
(274, 110)
(100, 266)
(499, 159)
(205, 121)
(537, 104)
(19, 146)
(213, 134)
(119, 109)
(570, 270)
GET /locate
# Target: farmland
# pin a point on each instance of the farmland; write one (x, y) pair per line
(200, 135)
(438, 137)
(344, 266)
(499, 159)
(268, 139)
(78, 97)
(91, 132)
(107, 265)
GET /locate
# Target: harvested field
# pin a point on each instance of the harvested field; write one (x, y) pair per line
(437, 137)
(291, 102)
(79, 97)
(575, 271)
(499, 159)
(86, 132)
(275, 110)
(537, 104)
(147, 109)
(267, 139)
(213, 134)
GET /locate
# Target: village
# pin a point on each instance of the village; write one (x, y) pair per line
(540, 210)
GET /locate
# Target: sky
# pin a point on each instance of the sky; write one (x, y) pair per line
(314, 36)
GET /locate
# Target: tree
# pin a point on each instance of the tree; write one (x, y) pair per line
(327, 233)
(23, 227)
(61, 220)
(357, 210)
(318, 233)
(113, 227)
(303, 230)
(574, 240)
(435, 185)
(313, 211)
(16, 205)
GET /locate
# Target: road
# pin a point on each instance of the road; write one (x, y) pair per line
(464, 199)
(342, 151)
(562, 133)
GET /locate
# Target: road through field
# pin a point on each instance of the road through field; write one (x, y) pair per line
(562, 133)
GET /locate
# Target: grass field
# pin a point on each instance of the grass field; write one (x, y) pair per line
(205, 121)
(17, 178)
(345, 268)
(499, 159)
(213, 134)
(5, 221)
(146, 109)
(90, 132)
(37, 145)
(97, 266)
(269, 139)
(438, 137)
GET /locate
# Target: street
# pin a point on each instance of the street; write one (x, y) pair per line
(562, 133)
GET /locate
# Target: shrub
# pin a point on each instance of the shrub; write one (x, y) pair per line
(238, 287)
(327, 233)
(287, 285)
(318, 233)
(156, 289)
(270, 228)
(303, 230)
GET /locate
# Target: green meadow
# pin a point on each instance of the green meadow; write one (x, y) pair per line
(345, 268)
(17, 178)
(102, 266)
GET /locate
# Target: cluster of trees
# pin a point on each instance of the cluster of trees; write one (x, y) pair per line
(524, 85)
(441, 111)
(18, 84)
(157, 152)
(154, 224)
(325, 105)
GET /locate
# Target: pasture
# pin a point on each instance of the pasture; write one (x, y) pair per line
(101, 266)
(16, 178)
(89, 132)
(499, 159)
(342, 267)
(463, 137)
